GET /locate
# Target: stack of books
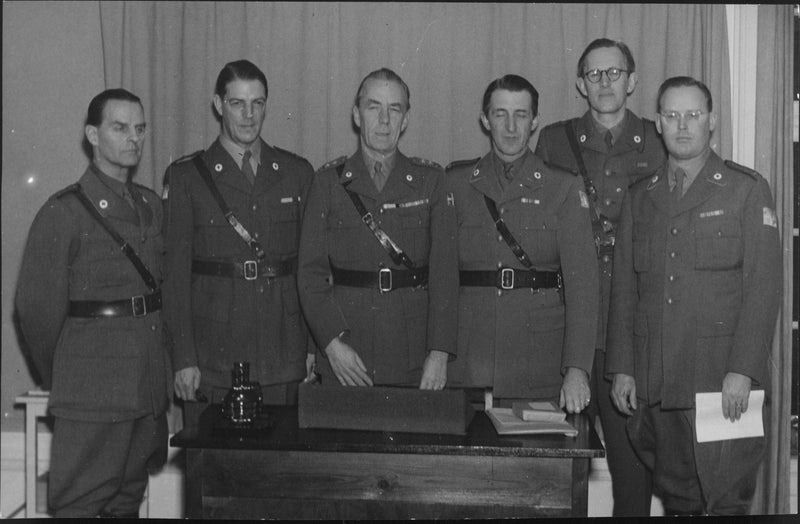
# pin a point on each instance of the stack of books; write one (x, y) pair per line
(531, 418)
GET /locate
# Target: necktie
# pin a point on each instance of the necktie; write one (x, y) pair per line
(680, 175)
(247, 169)
(609, 138)
(379, 177)
(508, 175)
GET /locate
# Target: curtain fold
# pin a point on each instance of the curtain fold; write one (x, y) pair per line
(773, 159)
(315, 53)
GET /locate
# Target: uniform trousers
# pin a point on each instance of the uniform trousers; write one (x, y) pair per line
(102, 467)
(631, 481)
(714, 478)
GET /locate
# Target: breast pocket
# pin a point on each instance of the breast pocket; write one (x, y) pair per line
(538, 236)
(415, 224)
(718, 245)
(286, 220)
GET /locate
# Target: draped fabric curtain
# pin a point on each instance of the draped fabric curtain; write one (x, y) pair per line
(773, 159)
(315, 54)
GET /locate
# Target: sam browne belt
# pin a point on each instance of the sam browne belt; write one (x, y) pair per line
(384, 280)
(510, 278)
(248, 270)
(137, 306)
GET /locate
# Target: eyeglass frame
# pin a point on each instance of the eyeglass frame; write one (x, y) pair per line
(600, 73)
(675, 117)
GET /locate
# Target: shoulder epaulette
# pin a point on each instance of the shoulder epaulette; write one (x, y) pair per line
(72, 188)
(424, 162)
(462, 163)
(742, 169)
(289, 153)
(187, 157)
(333, 163)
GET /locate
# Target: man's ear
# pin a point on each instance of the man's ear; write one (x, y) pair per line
(485, 122)
(91, 134)
(404, 124)
(712, 121)
(580, 83)
(356, 117)
(633, 79)
(658, 124)
(218, 104)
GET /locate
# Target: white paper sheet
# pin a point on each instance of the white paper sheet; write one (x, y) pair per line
(712, 426)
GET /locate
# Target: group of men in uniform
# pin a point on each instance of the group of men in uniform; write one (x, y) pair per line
(509, 271)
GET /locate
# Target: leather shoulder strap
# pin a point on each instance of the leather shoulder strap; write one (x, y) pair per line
(229, 216)
(147, 277)
(397, 255)
(502, 228)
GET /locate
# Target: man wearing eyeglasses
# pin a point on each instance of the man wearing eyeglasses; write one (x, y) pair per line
(610, 148)
(232, 231)
(695, 296)
(91, 314)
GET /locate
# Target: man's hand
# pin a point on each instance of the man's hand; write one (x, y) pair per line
(434, 371)
(735, 394)
(623, 393)
(311, 363)
(575, 393)
(346, 364)
(187, 380)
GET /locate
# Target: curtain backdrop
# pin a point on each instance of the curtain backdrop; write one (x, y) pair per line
(315, 54)
(773, 159)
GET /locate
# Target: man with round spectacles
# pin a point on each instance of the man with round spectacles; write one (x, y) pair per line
(695, 296)
(611, 148)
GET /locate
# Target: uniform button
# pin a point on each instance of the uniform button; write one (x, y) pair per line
(674, 230)
(619, 190)
(606, 258)
(672, 278)
(669, 301)
(499, 292)
(608, 172)
(499, 238)
(672, 255)
(607, 201)
(255, 235)
(153, 327)
(261, 288)
(255, 207)
(499, 265)
(502, 211)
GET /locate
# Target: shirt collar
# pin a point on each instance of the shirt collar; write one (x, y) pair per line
(370, 159)
(691, 167)
(237, 152)
(616, 131)
(119, 188)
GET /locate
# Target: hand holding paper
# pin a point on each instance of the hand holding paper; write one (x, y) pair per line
(712, 425)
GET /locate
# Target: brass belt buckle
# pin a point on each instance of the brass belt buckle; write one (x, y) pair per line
(507, 278)
(250, 270)
(138, 306)
(388, 287)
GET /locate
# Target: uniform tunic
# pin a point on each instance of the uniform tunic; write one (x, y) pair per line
(392, 332)
(696, 291)
(100, 369)
(216, 320)
(520, 341)
(637, 153)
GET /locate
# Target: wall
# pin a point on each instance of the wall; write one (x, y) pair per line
(50, 52)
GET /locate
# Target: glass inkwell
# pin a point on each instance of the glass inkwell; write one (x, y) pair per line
(242, 403)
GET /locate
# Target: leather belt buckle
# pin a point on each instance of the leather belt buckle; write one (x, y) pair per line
(385, 280)
(138, 306)
(250, 270)
(507, 278)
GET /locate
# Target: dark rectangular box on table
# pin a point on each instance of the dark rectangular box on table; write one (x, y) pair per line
(382, 408)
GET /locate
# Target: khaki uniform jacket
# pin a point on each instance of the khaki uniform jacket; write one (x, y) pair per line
(100, 369)
(636, 154)
(520, 341)
(392, 332)
(697, 284)
(217, 321)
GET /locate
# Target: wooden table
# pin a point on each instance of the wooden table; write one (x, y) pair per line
(289, 473)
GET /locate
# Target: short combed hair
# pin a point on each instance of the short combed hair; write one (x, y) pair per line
(513, 83)
(94, 115)
(239, 70)
(684, 81)
(600, 43)
(388, 75)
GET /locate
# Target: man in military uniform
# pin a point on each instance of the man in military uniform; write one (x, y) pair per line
(695, 295)
(379, 224)
(90, 313)
(230, 277)
(527, 305)
(610, 148)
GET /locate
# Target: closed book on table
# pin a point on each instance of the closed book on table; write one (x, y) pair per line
(543, 411)
(383, 408)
